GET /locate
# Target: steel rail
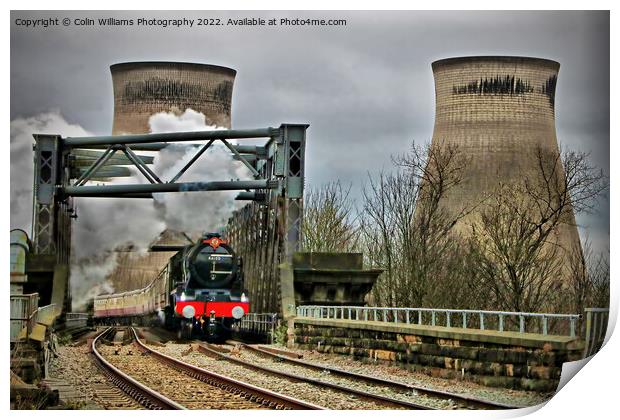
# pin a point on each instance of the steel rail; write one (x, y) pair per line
(85, 142)
(471, 401)
(269, 398)
(141, 393)
(363, 394)
(115, 190)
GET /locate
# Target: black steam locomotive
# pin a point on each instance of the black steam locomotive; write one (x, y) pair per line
(200, 293)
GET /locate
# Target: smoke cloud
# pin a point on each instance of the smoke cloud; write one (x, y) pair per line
(195, 212)
(88, 278)
(107, 224)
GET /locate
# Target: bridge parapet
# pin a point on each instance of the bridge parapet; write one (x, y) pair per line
(511, 359)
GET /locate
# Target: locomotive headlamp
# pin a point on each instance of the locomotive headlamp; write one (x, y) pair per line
(244, 298)
(237, 312)
(182, 299)
(189, 311)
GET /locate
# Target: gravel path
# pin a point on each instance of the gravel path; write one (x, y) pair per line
(91, 388)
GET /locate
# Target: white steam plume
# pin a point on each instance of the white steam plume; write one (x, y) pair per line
(195, 212)
(105, 224)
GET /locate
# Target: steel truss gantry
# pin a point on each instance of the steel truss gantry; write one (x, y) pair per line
(63, 167)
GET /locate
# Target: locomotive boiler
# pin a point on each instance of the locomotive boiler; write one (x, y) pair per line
(199, 293)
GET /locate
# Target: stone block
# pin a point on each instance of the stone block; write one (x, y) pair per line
(424, 359)
(497, 368)
(539, 385)
(431, 349)
(464, 352)
(361, 352)
(538, 372)
(515, 357)
(340, 350)
(447, 342)
(448, 362)
(415, 348)
(413, 339)
(385, 355)
(491, 355)
(398, 347)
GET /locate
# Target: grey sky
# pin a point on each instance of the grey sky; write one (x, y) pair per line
(365, 89)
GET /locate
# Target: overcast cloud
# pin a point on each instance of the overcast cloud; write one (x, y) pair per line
(365, 89)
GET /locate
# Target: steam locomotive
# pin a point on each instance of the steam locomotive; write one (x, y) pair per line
(200, 293)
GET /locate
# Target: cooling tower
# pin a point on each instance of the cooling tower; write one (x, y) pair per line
(498, 111)
(142, 89)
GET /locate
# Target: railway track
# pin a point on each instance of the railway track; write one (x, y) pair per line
(140, 393)
(164, 382)
(350, 378)
(375, 395)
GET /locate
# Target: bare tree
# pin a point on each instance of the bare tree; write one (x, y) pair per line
(329, 223)
(515, 247)
(588, 284)
(406, 230)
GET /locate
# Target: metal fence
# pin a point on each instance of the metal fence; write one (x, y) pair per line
(76, 320)
(523, 322)
(595, 329)
(260, 324)
(23, 315)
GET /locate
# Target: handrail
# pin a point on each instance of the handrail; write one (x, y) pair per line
(415, 316)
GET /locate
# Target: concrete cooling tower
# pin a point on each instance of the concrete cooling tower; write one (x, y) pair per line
(498, 111)
(142, 89)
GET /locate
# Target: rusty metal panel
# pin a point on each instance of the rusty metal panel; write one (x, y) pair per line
(23, 309)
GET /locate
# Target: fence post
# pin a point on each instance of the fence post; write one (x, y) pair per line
(447, 319)
(544, 320)
(481, 321)
(464, 319)
(501, 322)
(521, 324)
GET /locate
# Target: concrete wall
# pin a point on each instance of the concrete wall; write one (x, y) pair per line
(511, 360)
